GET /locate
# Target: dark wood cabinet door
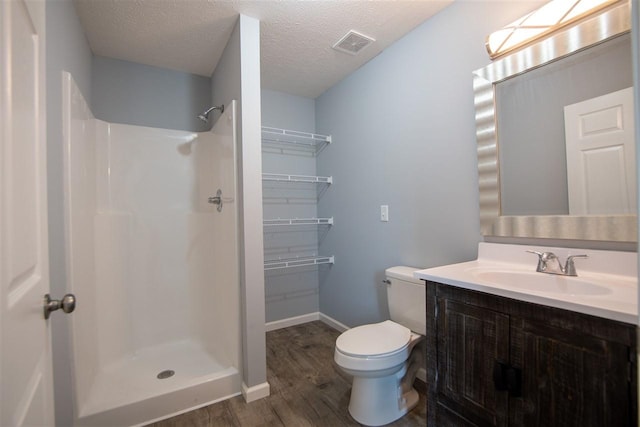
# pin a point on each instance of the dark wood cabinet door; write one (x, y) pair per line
(569, 379)
(573, 369)
(470, 340)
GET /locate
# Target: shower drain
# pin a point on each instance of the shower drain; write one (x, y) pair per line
(166, 374)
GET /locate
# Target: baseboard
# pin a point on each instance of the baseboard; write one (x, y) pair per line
(341, 327)
(255, 392)
(292, 321)
(306, 318)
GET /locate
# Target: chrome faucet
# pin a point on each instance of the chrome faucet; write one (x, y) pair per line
(569, 268)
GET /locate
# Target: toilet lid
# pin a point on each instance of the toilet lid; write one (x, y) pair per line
(373, 340)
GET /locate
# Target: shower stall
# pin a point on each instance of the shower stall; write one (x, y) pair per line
(152, 257)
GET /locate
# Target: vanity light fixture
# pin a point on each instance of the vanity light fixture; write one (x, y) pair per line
(541, 22)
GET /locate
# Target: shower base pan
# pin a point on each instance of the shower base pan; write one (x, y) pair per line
(157, 383)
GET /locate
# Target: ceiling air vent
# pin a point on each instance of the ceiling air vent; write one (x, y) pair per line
(353, 42)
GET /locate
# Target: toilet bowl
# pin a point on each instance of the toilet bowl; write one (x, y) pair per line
(380, 356)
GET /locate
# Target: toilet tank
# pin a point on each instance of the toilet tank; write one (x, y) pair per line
(406, 296)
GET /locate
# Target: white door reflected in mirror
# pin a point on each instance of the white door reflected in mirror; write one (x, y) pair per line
(601, 155)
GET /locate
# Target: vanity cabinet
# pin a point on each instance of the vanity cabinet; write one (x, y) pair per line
(495, 361)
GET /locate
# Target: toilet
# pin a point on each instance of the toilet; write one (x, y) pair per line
(379, 356)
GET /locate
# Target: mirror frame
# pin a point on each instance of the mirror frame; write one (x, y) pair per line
(612, 22)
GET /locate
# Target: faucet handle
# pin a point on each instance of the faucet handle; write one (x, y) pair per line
(569, 266)
(545, 256)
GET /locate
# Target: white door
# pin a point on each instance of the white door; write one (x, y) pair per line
(26, 394)
(601, 155)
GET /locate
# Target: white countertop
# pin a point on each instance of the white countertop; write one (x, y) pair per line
(615, 271)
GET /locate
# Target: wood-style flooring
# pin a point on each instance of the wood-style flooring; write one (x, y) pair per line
(307, 388)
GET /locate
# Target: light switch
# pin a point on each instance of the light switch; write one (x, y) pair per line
(384, 213)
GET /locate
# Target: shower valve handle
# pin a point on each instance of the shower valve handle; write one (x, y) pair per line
(67, 304)
(217, 200)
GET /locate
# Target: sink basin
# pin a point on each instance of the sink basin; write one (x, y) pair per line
(541, 282)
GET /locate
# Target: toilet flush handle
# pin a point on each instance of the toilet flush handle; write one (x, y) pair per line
(386, 281)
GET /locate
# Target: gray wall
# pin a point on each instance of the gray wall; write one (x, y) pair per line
(226, 79)
(67, 50)
(136, 94)
(287, 111)
(404, 135)
(290, 292)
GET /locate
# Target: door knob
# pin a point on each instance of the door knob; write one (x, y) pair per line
(67, 304)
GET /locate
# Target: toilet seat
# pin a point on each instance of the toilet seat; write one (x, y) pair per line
(374, 340)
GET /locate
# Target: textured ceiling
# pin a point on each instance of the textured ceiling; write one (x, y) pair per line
(296, 36)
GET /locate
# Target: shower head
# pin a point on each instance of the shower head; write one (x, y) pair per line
(205, 115)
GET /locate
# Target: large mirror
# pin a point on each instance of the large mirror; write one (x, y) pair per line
(539, 176)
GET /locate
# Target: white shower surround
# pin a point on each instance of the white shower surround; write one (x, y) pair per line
(153, 265)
